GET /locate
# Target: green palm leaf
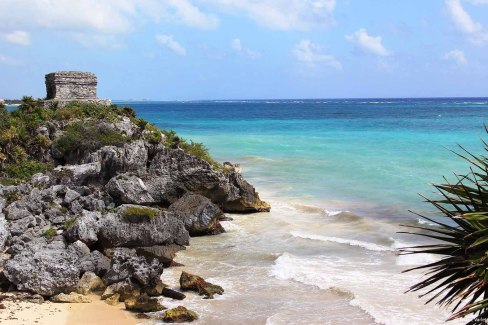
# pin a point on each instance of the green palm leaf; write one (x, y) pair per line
(460, 278)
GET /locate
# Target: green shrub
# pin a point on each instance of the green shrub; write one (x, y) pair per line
(81, 138)
(50, 233)
(196, 149)
(24, 170)
(155, 137)
(139, 213)
(69, 223)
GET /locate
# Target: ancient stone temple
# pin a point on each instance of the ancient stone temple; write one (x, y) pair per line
(67, 86)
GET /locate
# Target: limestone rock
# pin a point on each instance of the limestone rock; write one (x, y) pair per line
(156, 289)
(94, 262)
(165, 254)
(126, 289)
(179, 315)
(117, 229)
(199, 214)
(127, 188)
(173, 172)
(113, 300)
(72, 298)
(195, 283)
(80, 174)
(136, 268)
(84, 228)
(90, 282)
(46, 269)
(143, 304)
(4, 231)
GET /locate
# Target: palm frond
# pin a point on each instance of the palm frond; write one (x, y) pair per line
(460, 278)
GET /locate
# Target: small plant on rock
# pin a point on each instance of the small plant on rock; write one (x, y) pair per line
(50, 233)
(139, 213)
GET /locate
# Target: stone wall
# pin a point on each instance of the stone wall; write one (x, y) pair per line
(63, 87)
(71, 85)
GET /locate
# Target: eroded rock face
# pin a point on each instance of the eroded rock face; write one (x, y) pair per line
(135, 268)
(127, 188)
(84, 228)
(199, 214)
(173, 173)
(116, 230)
(46, 269)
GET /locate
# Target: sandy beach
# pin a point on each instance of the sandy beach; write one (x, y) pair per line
(97, 312)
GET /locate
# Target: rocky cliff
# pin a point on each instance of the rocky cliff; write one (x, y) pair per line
(116, 198)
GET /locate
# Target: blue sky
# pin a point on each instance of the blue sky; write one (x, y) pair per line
(236, 49)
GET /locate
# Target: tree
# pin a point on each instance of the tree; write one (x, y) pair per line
(460, 278)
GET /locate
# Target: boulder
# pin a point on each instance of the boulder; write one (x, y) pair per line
(127, 188)
(143, 304)
(195, 283)
(125, 289)
(179, 315)
(135, 268)
(94, 262)
(84, 228)
(72, 298)
(199, 214)
(113, 300)
(156, 289)
(90, 282)
(173, 172)
(170, 293)
(164, 254)
(79, 174)
(46, 269)
(137, 229)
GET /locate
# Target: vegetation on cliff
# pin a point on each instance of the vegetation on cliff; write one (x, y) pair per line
(85, 127)
(459, 279)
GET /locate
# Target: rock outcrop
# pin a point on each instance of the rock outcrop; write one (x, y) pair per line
(110, 214)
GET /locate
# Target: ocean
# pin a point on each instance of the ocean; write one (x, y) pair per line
(340, 175)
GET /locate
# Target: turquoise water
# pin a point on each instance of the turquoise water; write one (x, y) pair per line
(340, 176)
(367, 156)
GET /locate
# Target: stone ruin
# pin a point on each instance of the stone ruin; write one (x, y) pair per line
(64, 87)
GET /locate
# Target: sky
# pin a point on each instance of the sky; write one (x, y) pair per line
(248, 49)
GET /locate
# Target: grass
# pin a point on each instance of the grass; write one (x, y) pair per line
(69, 223)
(25, 169)
(460, 278)
(135, 213)
(50, 233)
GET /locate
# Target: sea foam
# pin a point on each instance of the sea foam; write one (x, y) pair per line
(350, 242)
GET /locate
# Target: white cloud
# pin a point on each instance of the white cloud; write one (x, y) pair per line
(171, 44)
(98, 40)
(17, 37)
(475, 31)
(457, 56)
(9, 61)
(109, 17)
(368, 43)
(236, 45)
(311, 53)
(281, 14)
